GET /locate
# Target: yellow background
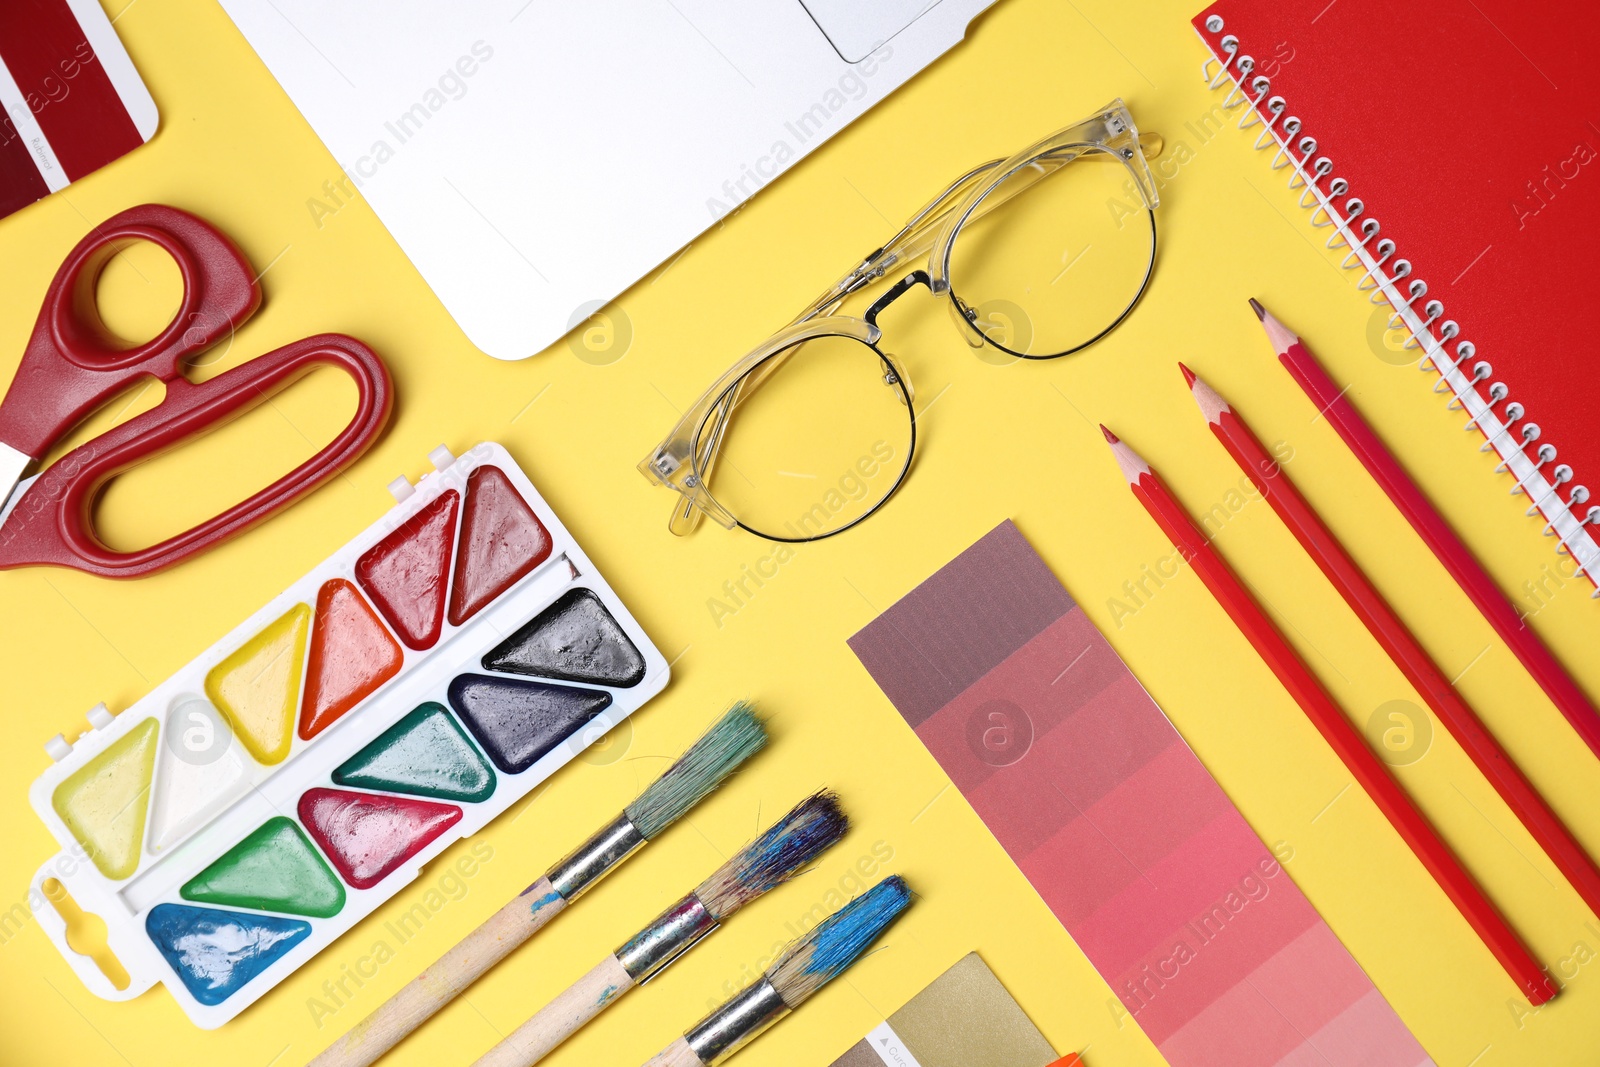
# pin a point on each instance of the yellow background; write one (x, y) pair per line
(1014, 440)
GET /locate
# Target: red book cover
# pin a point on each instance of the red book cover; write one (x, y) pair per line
(1467, 132)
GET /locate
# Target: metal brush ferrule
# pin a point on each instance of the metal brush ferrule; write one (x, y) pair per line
(726, 1030)
(592, 860)
(673, 933)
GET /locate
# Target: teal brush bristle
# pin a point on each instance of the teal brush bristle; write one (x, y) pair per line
(734, 738)
(838, 941)
(811, 828)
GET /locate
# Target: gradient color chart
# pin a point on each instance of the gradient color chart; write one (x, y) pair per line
(1198, 930)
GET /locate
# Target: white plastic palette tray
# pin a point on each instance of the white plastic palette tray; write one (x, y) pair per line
(256, 805)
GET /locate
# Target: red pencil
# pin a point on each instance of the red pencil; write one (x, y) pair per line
(1420, 670)
(1336, 730)
(1432, 528)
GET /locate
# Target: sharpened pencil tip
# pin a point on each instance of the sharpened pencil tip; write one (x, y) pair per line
(1128, 461)
(1188, 375)
(1255, 305)
(1211, 404)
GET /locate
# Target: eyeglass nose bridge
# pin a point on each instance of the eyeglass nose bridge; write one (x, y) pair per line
(895, 377)
(899, 289)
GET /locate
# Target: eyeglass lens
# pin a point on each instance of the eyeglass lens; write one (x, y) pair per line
(1054, 255)
(819, 437)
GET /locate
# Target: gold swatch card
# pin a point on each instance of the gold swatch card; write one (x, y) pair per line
(965, 1018)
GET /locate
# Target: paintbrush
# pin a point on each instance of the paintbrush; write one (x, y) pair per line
(804, 967)
(813, 826)
(734, 738)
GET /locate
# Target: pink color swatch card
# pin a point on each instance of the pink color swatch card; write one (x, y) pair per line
(1189, 918)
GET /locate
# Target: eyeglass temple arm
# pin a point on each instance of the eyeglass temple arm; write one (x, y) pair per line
(918, 230)
(686, 515)
(917, 236)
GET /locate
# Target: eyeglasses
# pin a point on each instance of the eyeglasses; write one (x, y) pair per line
(814, 430)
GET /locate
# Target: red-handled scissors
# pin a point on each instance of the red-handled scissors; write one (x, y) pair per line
(73, 364)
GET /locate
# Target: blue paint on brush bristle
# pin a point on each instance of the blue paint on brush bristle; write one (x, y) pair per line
(809, 829)
(838, 941)
(815, 823)
(843, 936)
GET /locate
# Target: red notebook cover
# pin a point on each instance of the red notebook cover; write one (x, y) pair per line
(1466, 129)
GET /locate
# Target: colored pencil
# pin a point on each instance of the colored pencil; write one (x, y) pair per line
(811, 828)
(804, 967)
(1433, 529)
(1402, 646)
(732, 739)
(1330, 721)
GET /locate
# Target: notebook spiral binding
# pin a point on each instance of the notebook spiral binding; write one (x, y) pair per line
(1494, 414)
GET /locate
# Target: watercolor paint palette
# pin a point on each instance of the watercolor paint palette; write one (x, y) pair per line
(263, 800)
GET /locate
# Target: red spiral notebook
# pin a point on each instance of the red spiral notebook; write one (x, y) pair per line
(1464, 191)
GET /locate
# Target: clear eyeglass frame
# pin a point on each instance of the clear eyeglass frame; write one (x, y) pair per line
(686, 457)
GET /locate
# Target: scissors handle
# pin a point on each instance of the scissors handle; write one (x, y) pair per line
(52, 523)
(73, 362)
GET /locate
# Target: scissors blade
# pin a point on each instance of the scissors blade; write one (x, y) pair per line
(10, 504)
(12, 466)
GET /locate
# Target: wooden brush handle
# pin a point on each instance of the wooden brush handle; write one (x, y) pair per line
(561, 1018)
(437, 986)
(677, 1054)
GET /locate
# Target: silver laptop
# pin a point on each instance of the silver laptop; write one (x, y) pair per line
(535, 158)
